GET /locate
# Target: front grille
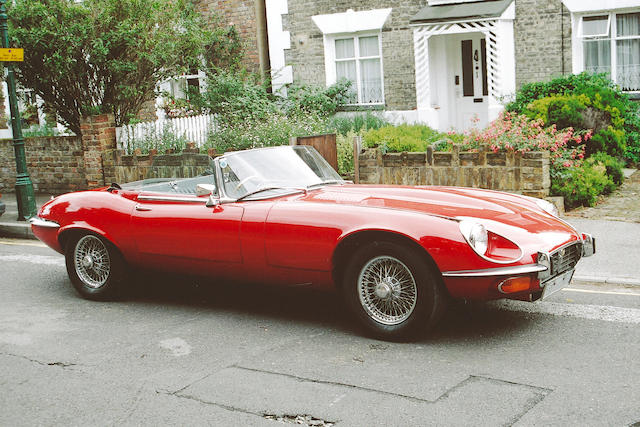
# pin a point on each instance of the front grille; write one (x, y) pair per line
(565, 258)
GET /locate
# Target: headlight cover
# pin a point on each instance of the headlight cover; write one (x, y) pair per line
(476, 235)
(548, 207)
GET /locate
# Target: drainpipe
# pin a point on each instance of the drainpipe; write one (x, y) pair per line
(263, 42)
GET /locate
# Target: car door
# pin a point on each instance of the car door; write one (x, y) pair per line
(181, 233)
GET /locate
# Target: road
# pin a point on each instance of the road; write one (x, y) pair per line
(183, 351)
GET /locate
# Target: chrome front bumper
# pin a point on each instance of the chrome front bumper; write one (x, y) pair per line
(548, 265)
(39, 222)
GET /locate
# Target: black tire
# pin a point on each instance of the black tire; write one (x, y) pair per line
(96, 268)
(410, 286)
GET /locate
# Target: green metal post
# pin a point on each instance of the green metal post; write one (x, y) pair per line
(24, 187)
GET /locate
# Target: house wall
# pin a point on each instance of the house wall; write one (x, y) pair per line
(242, 15)
(523, 173)
(307, 49)
(542, 31)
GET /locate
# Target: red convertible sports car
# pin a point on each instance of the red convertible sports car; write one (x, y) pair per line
(283, 216)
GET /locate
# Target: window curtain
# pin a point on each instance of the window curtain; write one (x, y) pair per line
(628, 51)
(347, 69)
(370, 73)
(597, 56)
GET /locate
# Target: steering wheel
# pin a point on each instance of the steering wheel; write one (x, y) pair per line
(245, 180)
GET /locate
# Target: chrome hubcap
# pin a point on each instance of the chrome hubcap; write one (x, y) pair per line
(387, 290)
(91, 261)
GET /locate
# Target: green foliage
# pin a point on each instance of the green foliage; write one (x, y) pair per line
(569, 84)
(316, 100)
(40, 130)
(343, 124)
(611, 141)
(345, 152)
(402, 138)
(108, 55)
(273, 129)
(581, 186)
(613, 168)
(585, 101)
(168, 139)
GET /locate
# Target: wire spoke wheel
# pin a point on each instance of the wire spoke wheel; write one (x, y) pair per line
(91, 261)
(387, 290)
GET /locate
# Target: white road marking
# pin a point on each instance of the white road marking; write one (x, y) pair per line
(593, 291)
(34, 259)
(22, 243)
(177, 346)
(338, 399)
(583, 311)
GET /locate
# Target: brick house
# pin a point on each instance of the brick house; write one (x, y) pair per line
(450, 63)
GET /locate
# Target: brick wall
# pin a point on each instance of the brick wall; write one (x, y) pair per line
(526, 173)
(55, 164)
(242, 15)
(307, 49)
(542, 31)
(63, 163)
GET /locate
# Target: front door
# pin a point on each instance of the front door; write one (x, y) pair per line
(470, 82)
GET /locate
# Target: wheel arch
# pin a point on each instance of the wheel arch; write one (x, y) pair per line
(68, 233)
(351, 242)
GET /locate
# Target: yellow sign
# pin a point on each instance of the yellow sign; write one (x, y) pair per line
(11, 55)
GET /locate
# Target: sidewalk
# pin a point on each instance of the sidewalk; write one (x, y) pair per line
(9, 224)
(617, 258)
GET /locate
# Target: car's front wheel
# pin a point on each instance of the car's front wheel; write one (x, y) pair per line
(95, 267)
(393, 291)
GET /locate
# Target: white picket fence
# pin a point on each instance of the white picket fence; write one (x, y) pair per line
(193, 129)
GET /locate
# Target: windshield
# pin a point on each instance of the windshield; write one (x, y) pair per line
(284, 167)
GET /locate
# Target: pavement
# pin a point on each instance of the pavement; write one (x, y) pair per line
(614, 222)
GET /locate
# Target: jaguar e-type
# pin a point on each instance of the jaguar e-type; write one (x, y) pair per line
(283, 216)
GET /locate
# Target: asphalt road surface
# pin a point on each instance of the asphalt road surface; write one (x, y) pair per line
(181, 351)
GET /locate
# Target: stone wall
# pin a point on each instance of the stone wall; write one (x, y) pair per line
(307, 49)
(526, 173)
(542, 31)
(122, 168)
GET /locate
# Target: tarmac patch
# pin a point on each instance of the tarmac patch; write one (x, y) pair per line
(177, 346)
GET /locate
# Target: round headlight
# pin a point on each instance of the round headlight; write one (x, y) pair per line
(476, 235)
(548, 207)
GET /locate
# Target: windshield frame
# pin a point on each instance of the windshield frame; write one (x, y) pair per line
(272, 191)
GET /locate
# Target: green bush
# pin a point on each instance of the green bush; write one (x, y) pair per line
(344, 124)
(586, 101)
(274, 129)
(613, 168)
(314, 99)
(581, 185)
(345, 152)
(402, 138)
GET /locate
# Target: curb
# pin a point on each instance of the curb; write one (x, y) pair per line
(16, 230)
(623, 281)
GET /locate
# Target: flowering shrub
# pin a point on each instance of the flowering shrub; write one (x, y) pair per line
(178, 107)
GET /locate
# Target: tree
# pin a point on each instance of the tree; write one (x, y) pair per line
(100, 56)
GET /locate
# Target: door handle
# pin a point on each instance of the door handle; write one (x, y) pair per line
(139, 207)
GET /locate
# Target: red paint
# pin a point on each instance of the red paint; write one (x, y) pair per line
(291, 240)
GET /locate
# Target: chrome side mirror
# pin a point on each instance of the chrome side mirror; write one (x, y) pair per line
(212, 201)
(205, 189)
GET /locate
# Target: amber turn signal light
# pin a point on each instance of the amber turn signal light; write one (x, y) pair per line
(515, 284)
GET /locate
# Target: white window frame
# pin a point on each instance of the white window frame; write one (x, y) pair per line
(351, 24)
(612, 37)
(331, 62)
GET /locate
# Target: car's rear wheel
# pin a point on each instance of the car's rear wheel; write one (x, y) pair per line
(95, 267)
(393, 291)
